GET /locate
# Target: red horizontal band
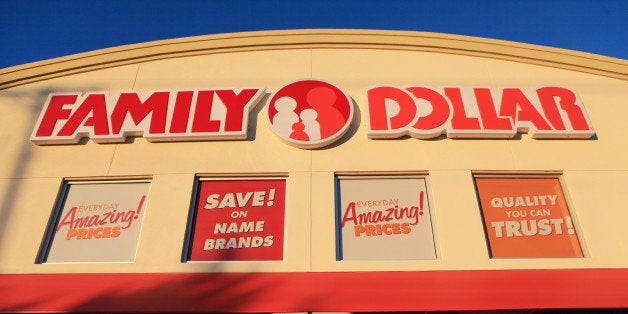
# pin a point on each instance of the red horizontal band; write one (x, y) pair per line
(302, 292)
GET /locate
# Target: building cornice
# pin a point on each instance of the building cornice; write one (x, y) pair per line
(314, 39)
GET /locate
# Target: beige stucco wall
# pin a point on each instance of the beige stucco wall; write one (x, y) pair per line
(594, 171)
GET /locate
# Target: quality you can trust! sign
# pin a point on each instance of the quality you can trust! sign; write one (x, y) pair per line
(312, 113)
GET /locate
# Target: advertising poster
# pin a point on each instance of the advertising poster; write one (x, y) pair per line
(385, 219)
(239, 220)
(527, 217)
(99, 223)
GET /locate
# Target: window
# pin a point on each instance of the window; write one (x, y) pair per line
(96, 221)
(527, 216)
(383, 218)
(237, 219)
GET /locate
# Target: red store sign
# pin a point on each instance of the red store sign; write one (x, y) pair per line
(312, 114)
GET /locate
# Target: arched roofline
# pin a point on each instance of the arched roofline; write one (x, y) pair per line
(314, 39)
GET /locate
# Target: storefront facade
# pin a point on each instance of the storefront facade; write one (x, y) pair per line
(314, 170)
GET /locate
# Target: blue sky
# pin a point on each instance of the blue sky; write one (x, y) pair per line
(38, 30)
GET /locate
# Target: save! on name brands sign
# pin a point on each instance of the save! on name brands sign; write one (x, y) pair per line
(313, 113)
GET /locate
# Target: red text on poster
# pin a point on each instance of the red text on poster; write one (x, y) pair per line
(99, 222)
(385, 218)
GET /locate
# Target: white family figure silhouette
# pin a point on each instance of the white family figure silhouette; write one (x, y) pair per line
(312, 127)
(285, 116)
(320, 121)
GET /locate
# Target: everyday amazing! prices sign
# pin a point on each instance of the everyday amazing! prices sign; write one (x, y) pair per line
(384, 218)
(239, 220)
(313, 113)
(527, 217)
(99, 222)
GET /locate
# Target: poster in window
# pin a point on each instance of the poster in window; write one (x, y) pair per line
(99, 222)
(527, 217)
(239, 220)
(384, 219)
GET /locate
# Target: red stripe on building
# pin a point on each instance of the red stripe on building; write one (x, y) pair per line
(292, 292)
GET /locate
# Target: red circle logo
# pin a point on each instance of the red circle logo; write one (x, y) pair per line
(309, 113)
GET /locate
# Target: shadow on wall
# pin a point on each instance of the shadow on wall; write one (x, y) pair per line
(21, 159)
(211, 289)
